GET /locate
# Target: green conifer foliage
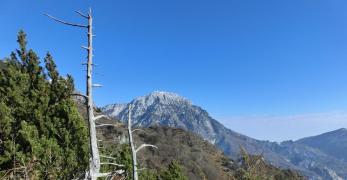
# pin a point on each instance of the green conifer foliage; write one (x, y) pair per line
(22, 45)
(121, 154)
(148, 174)
(173, 172)
(42, 135)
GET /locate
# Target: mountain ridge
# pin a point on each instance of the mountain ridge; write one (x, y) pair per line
(333, 143)
(199, 158)
(170, 109)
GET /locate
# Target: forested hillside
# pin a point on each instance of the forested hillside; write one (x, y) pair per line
(197, 158)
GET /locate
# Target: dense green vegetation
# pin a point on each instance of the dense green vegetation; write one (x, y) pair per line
(174, 171)
(42, 135)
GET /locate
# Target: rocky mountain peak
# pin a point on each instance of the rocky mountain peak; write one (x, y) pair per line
(318, 157)
(166, 109)
(161, 97)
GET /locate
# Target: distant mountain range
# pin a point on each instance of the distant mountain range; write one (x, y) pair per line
(318, 157)
(199, 158)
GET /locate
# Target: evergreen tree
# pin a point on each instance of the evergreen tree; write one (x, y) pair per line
(42, 136)
(148, 174)
(173, 172)
(120, 154)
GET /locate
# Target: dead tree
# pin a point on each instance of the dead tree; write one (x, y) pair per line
(134, 150)
(94, 164)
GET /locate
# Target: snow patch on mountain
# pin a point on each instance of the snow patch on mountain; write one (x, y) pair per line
(113, 110)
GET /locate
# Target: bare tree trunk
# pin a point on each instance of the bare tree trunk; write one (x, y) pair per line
(94, 165)
(133, 151)
(95, 159)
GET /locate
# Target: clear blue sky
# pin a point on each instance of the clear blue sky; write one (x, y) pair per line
(235, 58)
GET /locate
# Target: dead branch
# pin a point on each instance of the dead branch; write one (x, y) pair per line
(108, 157)
(115, 164)
(136, 130)
(66, 23)
(102, 125)
(77, 94)
(98, 117)
(85, 47)
(145, 145)
(81, 14)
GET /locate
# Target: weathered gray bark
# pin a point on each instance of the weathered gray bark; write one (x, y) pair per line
(94, 164)
(132, 146)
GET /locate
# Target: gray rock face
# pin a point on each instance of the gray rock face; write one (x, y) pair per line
(310, 155)
(333, 143)
(165, 109)
(113, 110)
